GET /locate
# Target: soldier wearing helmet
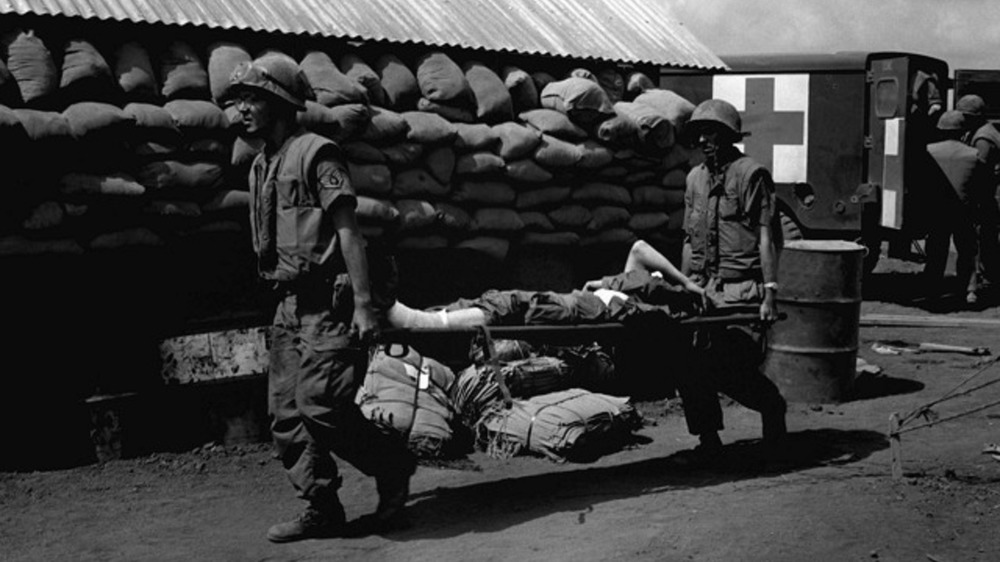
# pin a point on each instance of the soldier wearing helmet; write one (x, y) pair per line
(729, 249)
(957, 177)
(984, 136)
(309, 247)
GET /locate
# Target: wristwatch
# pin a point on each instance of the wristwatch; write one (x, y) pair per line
(771, 285)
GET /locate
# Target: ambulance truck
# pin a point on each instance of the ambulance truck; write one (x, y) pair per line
(843, 134)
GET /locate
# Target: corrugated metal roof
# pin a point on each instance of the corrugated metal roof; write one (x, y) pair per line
(635, 31)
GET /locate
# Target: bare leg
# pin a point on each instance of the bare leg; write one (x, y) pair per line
(402, 316)
(644, 257)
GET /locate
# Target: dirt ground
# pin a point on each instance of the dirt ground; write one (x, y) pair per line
(833, 499)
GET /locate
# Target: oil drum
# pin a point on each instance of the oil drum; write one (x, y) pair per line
(812, 352)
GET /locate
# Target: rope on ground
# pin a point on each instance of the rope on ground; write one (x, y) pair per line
(896, 423)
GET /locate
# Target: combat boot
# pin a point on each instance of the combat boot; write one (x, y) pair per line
(393, 492)
(316, 522)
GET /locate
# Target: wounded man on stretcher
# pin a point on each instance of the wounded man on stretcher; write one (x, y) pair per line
(649, 285)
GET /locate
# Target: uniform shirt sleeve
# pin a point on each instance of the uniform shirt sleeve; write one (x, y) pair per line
(333, 184)
(758, 203)
(688, 206)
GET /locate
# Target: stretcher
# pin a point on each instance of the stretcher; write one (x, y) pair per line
(606, 332)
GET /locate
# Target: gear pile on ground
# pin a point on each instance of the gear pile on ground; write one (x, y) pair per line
(444, 153)
(443, 415)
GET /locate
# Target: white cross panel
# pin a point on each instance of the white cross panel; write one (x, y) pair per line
(791, 93)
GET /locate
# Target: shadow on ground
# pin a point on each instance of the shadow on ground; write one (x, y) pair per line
(498, 505)
(867, 387)
(909, 289)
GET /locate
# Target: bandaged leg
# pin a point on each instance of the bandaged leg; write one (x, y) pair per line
(402, 316)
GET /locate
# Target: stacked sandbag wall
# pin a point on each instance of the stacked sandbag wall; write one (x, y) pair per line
(118, 145)
(125, 203)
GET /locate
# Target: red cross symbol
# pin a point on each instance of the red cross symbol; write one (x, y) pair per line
(767, 126)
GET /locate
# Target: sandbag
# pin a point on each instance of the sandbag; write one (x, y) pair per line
(91, 184)
(45, 215)
(555, 123)
(31, 64)
(17, 245)
(609, 237)
(636, 84)
(172, 174)
(594, 155)
(516, 140)
(10, 94)
(197, 117)
(453, 113)
(541, 80)
(135, 74)
(129, 237)
(475, 136)
(332, 86)
(398, 82)
(648, 220)
(570, 216)
(362, 152)
(478, 163)
(91, 119)
(604, 217)
(654, 196)
(556, 153)
(417, 183)
(183, 73)
(484, 193)
(402, 154)
(675, 178)
(355, 68)
(612, 83)
(85, 74)
(619, 132)
(340, 122)
(244, 151)
(428, 128)
(440, 78)
(152, 123)
(543, 197)
(572, 424)
(422, 242)
(43, 125)
(415, 214)
(169, 208)
(440, 162)
(583, 73)
(536, 221)
(496, 219)
(410, 393)
(453, 217)
(639, 177)
(522, 90)
(223, 58)
(372, 179)
(564, 238)
(583, 100)
(673, 107)
(492, 246)
(385, 126)
(493, 103)
(209, 150)
(527, 170)
(655, 131)
(600, 192)
(370, 209)
(226, 200)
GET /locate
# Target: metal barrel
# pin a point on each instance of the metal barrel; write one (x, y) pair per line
(812, 352)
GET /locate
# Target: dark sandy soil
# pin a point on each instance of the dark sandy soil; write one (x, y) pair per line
(833, 499)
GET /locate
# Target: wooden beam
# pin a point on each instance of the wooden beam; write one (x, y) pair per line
(925, 321)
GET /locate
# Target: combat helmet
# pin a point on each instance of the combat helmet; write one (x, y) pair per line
(716, 111)
(276, 74)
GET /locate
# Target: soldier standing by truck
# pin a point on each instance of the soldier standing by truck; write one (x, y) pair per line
(985, 138)
(957, 178)
(309, 248)
(729, 249)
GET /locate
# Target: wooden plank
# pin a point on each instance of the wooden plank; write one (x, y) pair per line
(926, 321)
